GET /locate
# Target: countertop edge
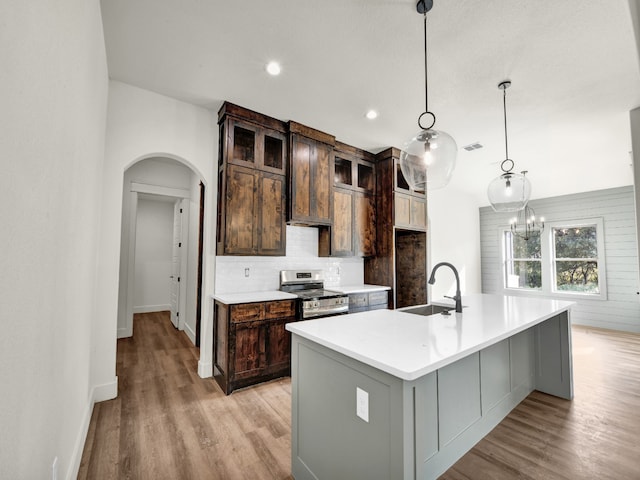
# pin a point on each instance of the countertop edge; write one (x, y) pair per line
(364, 288)
(252, 297)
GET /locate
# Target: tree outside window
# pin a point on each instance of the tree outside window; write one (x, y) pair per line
(522, 262)
(575, 252)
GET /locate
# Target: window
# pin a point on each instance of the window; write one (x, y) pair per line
(566, 259)
(522, 262)
(575, 259)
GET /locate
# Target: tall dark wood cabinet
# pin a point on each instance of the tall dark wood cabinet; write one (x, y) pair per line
(251, 183)
(310, 181)
(353, 226)
(401, 235)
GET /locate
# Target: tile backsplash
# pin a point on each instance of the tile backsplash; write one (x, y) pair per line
(254, 274)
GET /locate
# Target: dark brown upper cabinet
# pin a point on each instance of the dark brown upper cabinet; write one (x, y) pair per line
(254, 204)
(251, 183)
(310, 174)
(398, 206)
(342, 238)
(400, 184)
(410, 205)
(353, 226)
(252, 140)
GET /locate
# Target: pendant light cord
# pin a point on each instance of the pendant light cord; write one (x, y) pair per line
(423, 6)
(504, 109)
(426, 96)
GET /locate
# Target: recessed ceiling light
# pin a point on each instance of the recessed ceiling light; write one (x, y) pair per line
(371, 114)
(273, 68)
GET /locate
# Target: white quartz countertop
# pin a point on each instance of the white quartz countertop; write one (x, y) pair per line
(248, 297)
(410, 346)
(364, 288)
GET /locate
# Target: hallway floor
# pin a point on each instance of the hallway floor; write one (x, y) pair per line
(168, 423)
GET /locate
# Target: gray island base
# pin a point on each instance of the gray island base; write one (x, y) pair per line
(393, 395)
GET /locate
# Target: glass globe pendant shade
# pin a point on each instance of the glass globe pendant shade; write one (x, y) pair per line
(428, 159)
(509, 192)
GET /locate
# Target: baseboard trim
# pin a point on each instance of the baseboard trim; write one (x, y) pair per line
(107, 391)
(620, 326)
(98, 393)
(190, 333)
(125, 332)
(205, 369)
(151, 308)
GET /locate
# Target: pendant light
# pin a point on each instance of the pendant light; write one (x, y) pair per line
(510, 191)
(427, 159)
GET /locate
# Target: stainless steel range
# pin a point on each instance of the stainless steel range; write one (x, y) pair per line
(314, 300)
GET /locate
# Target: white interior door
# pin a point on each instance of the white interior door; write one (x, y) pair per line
(176, 263)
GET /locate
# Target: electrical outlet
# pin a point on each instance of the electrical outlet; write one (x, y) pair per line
(362, 404)
(54, 469)
(246, 272)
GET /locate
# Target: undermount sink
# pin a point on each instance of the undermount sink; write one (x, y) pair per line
(428, 310)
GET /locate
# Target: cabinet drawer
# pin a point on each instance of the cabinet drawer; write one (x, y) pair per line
(357, 300)
(378, 298)
(247, 312)
(280, 309)
(380, 306)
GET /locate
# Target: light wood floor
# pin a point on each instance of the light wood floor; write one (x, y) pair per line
(168, 423)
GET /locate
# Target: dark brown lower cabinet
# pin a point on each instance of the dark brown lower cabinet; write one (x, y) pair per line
(249, 353)
(251, 344)
(279, 346)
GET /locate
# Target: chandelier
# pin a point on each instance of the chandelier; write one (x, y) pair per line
(429, 157)
(510, 191)
(525, 225)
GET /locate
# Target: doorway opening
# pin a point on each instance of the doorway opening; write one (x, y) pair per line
(160, 257)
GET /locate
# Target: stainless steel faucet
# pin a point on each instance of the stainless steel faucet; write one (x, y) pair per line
(458, 296)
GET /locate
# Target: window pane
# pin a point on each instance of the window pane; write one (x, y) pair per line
(577, 276)
(525, 248)
(576, 242)
(523, 274)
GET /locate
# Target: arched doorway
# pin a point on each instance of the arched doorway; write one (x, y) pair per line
(154, 188)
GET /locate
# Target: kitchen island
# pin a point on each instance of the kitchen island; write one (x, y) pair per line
(388, 394)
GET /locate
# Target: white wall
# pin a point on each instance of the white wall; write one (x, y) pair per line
(143, 124)
(54, 96)
(154, 252)
(454, 235)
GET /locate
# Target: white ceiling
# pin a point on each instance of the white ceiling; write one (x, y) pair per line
(573, 64)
